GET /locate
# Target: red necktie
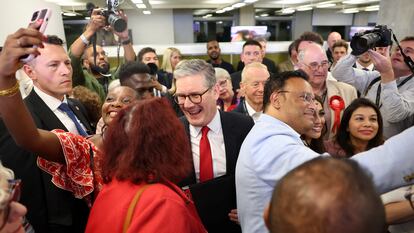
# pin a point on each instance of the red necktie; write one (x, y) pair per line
(206, 161)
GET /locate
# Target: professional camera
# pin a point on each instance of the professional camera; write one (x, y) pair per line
(380, 36)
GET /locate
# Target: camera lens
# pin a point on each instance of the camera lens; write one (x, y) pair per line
(361, 44)
(117, 23)
(34, 16)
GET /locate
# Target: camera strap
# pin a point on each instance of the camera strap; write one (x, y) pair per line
(378, 98)
(407, 59)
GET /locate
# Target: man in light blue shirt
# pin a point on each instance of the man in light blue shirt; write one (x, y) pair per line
(273, 147)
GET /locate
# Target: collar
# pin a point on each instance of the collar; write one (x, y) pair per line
(359, 66)
(250, 109)
(50, 101)
(214, 125)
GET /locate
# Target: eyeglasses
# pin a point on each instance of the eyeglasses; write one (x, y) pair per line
(14, 195)
(307, 97)
(194, 98)
(222, 83)
(315, 66)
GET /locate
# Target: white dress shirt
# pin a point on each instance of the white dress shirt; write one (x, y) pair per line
(54, 104)
(218, 150)
(359, 66)
(255, 115)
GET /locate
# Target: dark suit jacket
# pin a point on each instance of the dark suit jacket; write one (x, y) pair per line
(225, 65)
(271, 65)
(241, 108)
(50, 209)
(235, 128)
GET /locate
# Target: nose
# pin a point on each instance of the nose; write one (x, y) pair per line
(117, 104)
(187, 102)
(65, 69)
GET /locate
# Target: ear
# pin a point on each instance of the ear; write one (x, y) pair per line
(275, 100)
(85, 63)
(30, 72)
(266, 216)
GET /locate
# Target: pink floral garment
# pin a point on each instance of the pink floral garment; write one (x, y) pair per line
(75, 175)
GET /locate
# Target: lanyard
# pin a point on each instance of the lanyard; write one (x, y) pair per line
(377, 100)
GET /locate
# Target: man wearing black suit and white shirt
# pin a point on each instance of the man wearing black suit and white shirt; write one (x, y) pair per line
(50, 209)
(197, 93)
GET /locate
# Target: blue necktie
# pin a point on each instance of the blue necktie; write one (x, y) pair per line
(65, 107)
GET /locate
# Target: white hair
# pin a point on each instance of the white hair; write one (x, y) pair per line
(5, 175)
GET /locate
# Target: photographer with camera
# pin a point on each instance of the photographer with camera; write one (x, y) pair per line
(391, 86)
(97, 73)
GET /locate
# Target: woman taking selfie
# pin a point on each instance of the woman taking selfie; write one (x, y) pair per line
(124, 157)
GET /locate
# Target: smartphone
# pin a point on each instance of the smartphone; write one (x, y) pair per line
(43, 15)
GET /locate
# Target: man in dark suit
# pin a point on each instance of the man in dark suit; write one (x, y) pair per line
(254, 77)
(50, 209)
(251, 52)
(215, 136)
(271, 65)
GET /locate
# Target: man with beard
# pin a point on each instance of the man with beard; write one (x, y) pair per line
(214, 53)
(96, 74)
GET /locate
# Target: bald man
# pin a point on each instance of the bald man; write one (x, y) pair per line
(332, 38)
(326, 195)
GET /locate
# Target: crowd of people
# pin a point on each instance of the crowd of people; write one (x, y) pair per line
(318, 143)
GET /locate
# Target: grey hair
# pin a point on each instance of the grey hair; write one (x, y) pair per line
(196, 67)
(5, 175)
(221, 73)
(252, 65)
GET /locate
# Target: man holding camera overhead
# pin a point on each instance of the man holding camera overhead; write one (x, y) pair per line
(391, 86)
(97, 74)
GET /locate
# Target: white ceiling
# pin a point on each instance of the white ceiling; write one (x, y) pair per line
(215, 4)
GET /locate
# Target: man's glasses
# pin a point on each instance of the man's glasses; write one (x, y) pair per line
(14, 195)
(315, 66)
(305, 96)
(194, 98)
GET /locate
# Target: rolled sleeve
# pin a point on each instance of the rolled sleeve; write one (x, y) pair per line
(344, 72)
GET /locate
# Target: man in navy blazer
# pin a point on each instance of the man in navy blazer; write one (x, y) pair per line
(196, 94)
(50, 209)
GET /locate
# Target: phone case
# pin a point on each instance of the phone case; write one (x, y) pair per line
(44, 15)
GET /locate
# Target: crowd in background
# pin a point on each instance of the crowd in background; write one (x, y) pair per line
(123, 149)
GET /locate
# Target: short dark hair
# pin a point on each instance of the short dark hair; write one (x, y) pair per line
(343, 136)
(278, 82)
(408, 38)
(143, 51)
(291, 47)
(340, 43)
(55, 40)
(309, 36)
(130, 68)
(146, 143)
(252, 42)
(326, 195)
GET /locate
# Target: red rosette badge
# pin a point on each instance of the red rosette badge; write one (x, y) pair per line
(337, 104)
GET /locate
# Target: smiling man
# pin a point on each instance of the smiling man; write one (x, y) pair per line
(312, 59)
(254, 77)
(215, 136)
(214, 53)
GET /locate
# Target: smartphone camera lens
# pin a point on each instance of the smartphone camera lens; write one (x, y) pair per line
(35, 15)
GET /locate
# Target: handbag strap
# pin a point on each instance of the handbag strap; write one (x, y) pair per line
(131, 207)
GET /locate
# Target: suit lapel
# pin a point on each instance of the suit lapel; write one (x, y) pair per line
(229, 145)
(47, 118)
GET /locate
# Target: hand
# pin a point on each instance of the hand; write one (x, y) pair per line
(96, 22)
(383, 65)
(17, 45)
(234, 216)
(123, 35)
